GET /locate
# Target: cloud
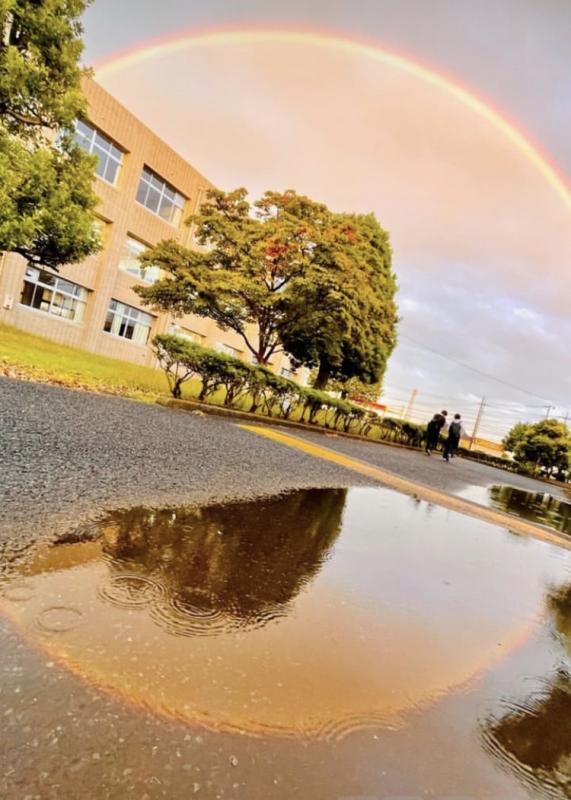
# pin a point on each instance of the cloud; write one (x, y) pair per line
(482, 244)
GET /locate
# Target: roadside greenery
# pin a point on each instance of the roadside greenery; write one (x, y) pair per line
(46, 194)
(25, 356)
(256, 389)
(541, 448)
(287, 275)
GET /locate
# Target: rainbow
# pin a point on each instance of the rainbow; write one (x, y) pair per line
(332, 40)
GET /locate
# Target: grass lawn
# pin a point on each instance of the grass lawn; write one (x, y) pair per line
(27, 356)
(23, 355)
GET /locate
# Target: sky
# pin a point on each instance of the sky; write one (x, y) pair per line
(481, 237)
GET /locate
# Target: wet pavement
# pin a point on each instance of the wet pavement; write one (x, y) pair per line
(337, 641)
(454, 477)
(322, 644)
(541, 508)
(68, 456)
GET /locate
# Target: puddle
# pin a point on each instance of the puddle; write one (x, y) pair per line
(539, 507)
(319, 618)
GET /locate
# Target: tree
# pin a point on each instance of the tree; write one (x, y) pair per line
(519, 433)
(243, 275)
(284, 265)
(355, 389)
(350, 330)
(545, 444)
(46, 194)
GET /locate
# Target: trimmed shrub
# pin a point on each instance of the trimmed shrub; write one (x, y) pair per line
(272, 394)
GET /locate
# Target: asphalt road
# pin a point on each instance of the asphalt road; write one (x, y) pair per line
(454, 477)
(67, 456)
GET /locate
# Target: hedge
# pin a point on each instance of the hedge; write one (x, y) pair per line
(260, 390)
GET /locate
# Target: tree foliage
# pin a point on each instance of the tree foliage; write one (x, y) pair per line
(350, 328)
(544, 445)
(316, 284)
(46, 194)
(353, 389)
(257, 389)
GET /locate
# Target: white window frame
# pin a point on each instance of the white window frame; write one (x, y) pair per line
(187, 334)
(127, 315)
(228, 350)
(78, 296)
(105, 149)
(140, 272)
(153, 182)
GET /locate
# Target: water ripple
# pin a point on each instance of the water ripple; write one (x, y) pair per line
(131, 591)
(59, 619)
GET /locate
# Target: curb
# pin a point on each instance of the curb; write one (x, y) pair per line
(418, 490)
(222, 411)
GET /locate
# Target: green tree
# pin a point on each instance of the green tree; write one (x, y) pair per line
(518, 434)
(265, 269)
(545, 444)
(350, 328)
(354, 389)
(46, 194)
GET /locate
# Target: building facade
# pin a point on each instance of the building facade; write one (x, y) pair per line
(146, 193)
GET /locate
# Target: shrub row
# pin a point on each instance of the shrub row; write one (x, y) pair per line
(259, 390)
(501, 462)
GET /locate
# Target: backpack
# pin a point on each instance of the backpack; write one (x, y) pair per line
(455, 429)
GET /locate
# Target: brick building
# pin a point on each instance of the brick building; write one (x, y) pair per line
(146, 193)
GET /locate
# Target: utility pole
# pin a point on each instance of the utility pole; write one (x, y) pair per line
(408, 412)
(478, 421)
(548, 411)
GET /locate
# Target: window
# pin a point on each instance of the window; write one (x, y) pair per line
(186, 333)
(228, 350)
(128, 322)
(109, 156)
(129, 261)
(160, 197)
(54, 295)
(287, 373)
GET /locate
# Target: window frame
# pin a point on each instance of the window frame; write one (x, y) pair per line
(141, 270)
(127, 319)
(187, 334)
(78, 299)
(153, 182)
(95, 148)
(228, 350)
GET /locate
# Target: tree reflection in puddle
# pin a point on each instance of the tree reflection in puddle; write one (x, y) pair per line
(219, 568)
(362, 625)
(540, 507)
(532, 738)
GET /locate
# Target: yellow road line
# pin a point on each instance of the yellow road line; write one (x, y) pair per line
(407, 486)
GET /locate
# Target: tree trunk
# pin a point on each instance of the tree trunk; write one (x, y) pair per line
(323, 375)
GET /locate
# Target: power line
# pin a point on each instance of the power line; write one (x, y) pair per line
(474, 369)
(515, 406)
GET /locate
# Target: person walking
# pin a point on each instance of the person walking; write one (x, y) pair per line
(433, 429)
(455, 433)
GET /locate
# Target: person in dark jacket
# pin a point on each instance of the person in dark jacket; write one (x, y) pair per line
(433, 429)
(455, 432)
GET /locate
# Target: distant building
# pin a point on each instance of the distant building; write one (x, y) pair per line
(146, 192)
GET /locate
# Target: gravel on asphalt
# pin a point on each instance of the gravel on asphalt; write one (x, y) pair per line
(66, 457)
